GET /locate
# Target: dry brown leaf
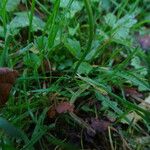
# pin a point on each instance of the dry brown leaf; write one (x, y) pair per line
(52, 112)
(64, 107)
(7, 79)
(98, 125)
(132, 92)
(145, 104)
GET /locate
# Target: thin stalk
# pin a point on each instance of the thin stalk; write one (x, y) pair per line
(42, 7)
(51, 27)
(91, 33)
(4, 17)
(4, 55)
(31, 19)
(137, 25)
(122, 7)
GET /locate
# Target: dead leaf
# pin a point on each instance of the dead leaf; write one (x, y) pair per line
(7, 79)
(52, 112)
(144, 42)
(64, 107)
(98, 125)
(133, 115)
(132, 92)
(8, 75)
(143, 140)
(146, 103)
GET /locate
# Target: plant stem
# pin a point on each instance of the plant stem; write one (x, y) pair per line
(4, 55)
(91, 33)
(31, 19)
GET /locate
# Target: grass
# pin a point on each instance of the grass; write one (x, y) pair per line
(85, 53)
(91, 33)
